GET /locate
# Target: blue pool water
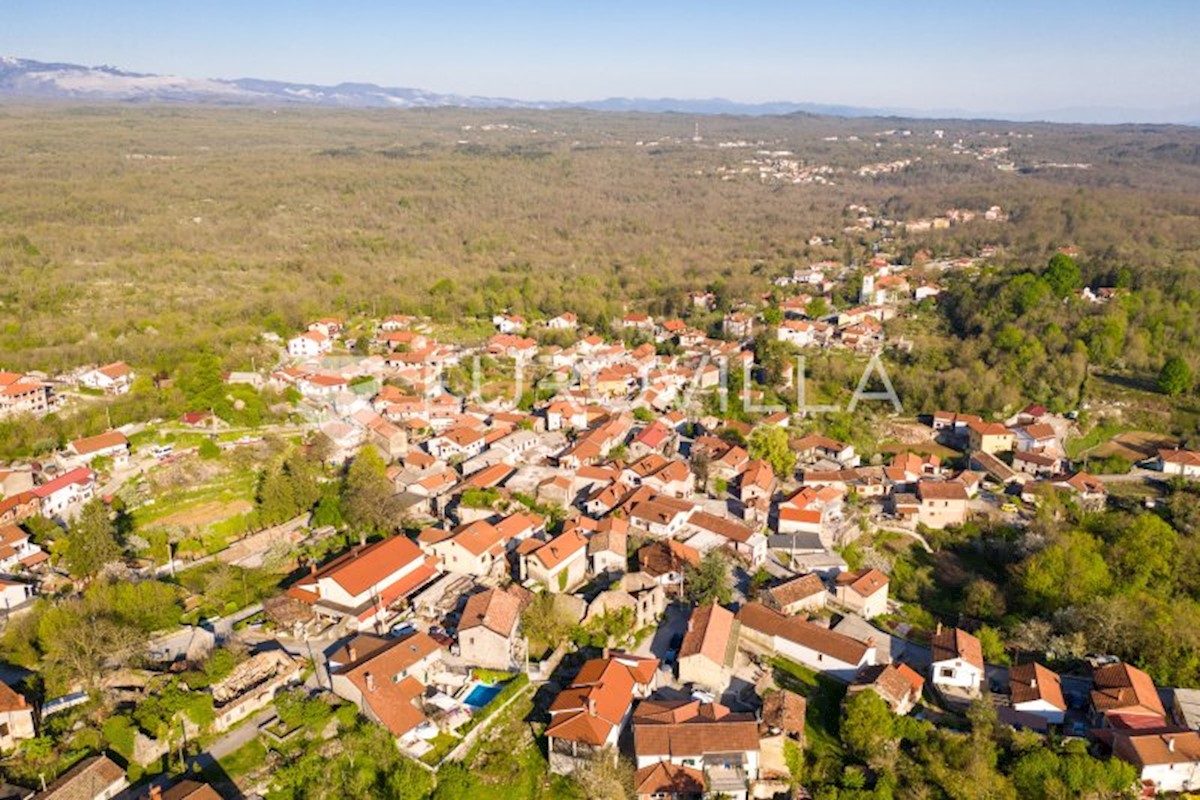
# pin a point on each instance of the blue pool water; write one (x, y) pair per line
(481, 694)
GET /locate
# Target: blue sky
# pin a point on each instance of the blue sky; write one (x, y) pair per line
(1015, 55)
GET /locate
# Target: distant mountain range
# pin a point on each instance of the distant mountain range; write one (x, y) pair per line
(22, 78)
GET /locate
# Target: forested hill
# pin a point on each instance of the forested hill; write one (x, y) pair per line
(158, 233)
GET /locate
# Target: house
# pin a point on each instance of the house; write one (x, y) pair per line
(17, 550)
(589, 714)
(562, 414)
(639, 322)
(661, 515)
(111, 445)
(663, 780)
(462, 442)
(487, 632)
(518, 348)
(63, 496)
(113, 378)
(310, 344)
(560, 564)
(1038, 437)
(737, 325)
(252, 686)
(1039, 465)
(477, 548)
(864, 592)
(814, 646)
(637, 591)
(989, 437)
(363, 585)
(941, 503)
(756, 483)
(21, 394)
(665, 562)
(797, 332)
(956, 662)
(805, 593)
(1034, 689)
(711, 532)
(95, 778)
(814, 447)
(507, 323)
(607, 549)
(16, 718)
(566, 321)
(1185, 463)
(1090, 490)
(384, 678)
(14, 595)
(898, 684)
(709, 648)
(811, 510)
(185, 790)
(1167, 760)
(708, 737)
(1124, 696)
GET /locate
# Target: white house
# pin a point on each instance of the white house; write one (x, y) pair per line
(957, 662)
(461, 442)
(309, 344)
(814, 646)
(64, 495)
(112, 444)
(1034, 689)
(563, 322)
(1168, 759)
(17, 550)
(113, 378)
(14, 594)
(363, 585)
(1185, 463)
(707, 737)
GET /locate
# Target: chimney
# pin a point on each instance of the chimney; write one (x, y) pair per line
(939, 628)
(353, 651)
(155, 792)
(312, 568)
(1170, 744)
(605, 654)
(1033, 683)
(591, 707)
(370, 679)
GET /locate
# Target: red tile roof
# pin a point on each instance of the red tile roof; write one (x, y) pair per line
(950, 644)
(709, 633)
(758, 617)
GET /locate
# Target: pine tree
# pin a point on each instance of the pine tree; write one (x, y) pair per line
(92, 541)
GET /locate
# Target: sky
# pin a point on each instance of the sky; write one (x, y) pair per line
(1003, 56)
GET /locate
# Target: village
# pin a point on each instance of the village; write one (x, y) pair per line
(617, 528)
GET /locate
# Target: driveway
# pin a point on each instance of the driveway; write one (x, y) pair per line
(674, 623)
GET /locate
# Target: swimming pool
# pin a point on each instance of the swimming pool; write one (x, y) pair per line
(481, 694)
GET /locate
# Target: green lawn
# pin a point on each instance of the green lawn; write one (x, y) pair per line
(442, 745)
(1100, 433)
(824, 697)
(246, 758)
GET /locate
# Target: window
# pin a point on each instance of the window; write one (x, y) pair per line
(946, 672)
